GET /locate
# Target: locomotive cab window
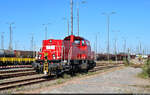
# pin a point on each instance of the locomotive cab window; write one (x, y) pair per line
(77, 42)
(83, 43)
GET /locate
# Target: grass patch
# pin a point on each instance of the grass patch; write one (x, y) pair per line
(66, 76)
(78, 75)
(91, 73)
(110, 61)
(59, 81)
(19, 88)
(142, 86)
(127, 63)
(145, 70)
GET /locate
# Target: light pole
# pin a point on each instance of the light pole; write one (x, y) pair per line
(108, 23)
(116, 46)
(78, 3)
(96, 45)
(46, 30)
(71, 7)
(10, 38)
(2, 40)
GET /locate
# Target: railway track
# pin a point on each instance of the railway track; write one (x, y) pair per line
(102, 67)
(13, 71)
(29, 81)
(16, 66)
(41, 78)
(11, 75)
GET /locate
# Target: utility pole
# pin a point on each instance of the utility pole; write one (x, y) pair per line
(108, 23)
(71, 5)
(2, 40)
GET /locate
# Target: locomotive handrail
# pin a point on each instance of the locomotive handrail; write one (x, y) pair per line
(69, 54)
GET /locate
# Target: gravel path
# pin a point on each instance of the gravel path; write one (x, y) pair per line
(119, 81)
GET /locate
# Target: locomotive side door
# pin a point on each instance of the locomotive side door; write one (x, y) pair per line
(83, 48)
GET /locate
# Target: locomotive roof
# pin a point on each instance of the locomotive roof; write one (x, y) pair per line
(75, 38)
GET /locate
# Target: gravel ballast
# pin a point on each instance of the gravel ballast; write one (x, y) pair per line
(119, 81)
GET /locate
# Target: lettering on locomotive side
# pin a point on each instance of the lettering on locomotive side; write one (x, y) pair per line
(50, 47)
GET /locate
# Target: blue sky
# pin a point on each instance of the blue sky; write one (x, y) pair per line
(131, 19)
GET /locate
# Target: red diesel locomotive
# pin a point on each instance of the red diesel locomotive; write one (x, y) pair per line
(73, 54)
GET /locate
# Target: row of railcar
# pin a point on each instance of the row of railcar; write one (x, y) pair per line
(17, 53)
(113, 57)
(16, 57)
(148, 56)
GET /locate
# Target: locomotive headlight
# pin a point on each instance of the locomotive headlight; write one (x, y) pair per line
(54, 56)
(39, 56)
(50, 41)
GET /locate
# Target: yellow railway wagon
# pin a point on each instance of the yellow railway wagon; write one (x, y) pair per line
(15, 60)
